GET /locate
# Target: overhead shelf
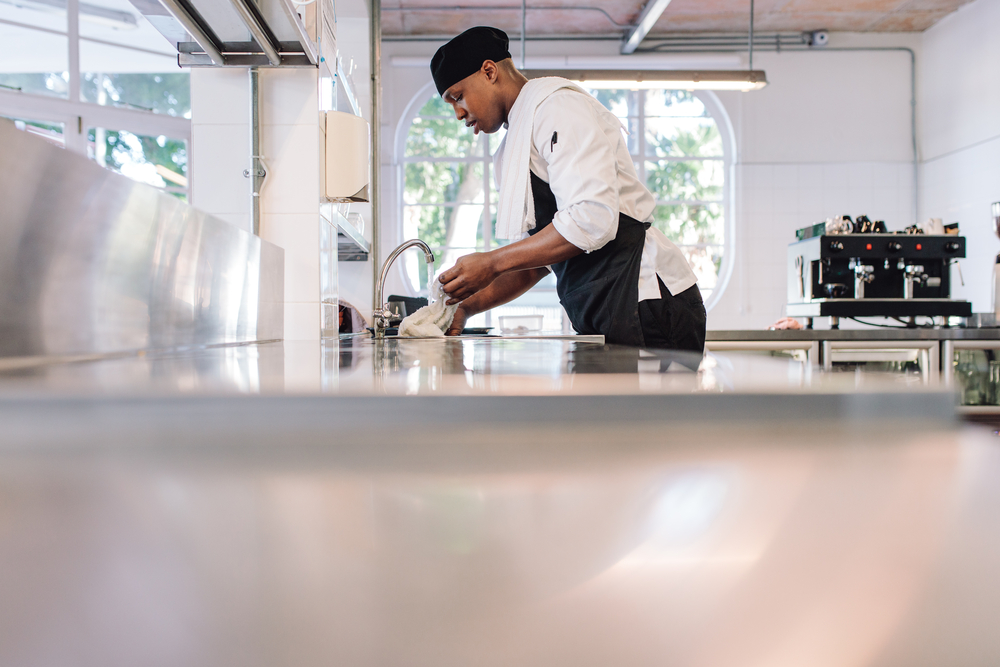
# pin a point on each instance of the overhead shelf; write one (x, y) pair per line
(239, 33)
(351, 244)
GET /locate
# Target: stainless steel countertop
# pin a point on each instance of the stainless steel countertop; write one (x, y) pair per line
(246, 514)
(354, 382)
(901, 334)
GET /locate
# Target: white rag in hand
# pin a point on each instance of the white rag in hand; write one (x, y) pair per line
(432, 320)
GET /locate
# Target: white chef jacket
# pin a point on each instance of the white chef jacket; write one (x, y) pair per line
(593, 179)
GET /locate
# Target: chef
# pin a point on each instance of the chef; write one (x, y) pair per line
(570, 198)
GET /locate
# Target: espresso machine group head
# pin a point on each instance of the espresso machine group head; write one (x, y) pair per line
(872, 273)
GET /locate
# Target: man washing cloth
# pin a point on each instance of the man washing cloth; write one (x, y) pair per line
(570, 193)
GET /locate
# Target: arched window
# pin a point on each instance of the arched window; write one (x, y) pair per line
(682, 154)
(449, 193)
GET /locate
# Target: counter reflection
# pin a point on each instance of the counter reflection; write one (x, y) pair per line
(732, 547)
(405, 367)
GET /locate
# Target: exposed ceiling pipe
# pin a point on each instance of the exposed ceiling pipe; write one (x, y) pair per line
(647, 19)
(258, 30)
(502, 8)
(524, 29)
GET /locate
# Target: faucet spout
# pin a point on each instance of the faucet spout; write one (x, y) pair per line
(380, 316)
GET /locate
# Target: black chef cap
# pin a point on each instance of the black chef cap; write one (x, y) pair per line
(465, 54)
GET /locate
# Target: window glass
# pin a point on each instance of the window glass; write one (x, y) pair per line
(683, 137)
(444, 227)
(443, 182)
(167, 93)
(125, 62)
(667, 128)
(673, 180)
(33, 61)
(158, 161)
(690, 223)
(439, 137)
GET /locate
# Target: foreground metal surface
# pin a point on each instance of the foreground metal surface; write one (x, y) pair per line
(92, 262)
(488, 502)
(285, 531)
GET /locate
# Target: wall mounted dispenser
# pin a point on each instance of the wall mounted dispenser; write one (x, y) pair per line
(347, 158)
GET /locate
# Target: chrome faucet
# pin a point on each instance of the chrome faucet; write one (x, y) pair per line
(380, 316)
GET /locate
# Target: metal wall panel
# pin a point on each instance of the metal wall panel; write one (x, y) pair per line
(93, 262)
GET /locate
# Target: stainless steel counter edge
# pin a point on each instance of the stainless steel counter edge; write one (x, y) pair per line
(57, 423)
(901, 334)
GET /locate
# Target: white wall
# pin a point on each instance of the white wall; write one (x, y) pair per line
(291, 143)
(959, 105)
(829, 135)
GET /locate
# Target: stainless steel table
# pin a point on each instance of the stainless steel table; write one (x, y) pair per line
(492, 502)
(935, 347)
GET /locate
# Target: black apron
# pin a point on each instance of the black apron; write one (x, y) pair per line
(599, 290)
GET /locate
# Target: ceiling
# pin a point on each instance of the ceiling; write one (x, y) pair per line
(595, 17)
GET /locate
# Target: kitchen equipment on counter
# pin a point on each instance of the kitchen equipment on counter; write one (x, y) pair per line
(520, 323)
(873, 273)
(401, 306)
(982, 321)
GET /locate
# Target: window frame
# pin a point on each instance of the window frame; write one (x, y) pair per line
(708, 98)
(78, 116)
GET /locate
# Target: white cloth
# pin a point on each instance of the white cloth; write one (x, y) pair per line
(515, 208)
(431, 321)
(593, 178)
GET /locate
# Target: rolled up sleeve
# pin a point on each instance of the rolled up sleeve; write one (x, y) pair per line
(582, 169)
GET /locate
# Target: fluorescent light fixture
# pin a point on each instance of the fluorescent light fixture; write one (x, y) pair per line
(742, 80)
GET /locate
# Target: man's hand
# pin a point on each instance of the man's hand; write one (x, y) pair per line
(786, 323)
(458, 323)
(470, 274)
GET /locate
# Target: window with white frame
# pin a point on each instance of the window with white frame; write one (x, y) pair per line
(106, 84)
(449, 194)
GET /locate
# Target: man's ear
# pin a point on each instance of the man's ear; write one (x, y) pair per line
(491, 70)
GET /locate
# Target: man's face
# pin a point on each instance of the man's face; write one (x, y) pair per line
(476, 101)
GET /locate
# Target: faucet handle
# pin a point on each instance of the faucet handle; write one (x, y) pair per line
(381, 316)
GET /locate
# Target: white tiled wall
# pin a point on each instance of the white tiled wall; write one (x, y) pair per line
(960, 188)
(774, 200)
(291, 146)
(220, 143)
(959, 108)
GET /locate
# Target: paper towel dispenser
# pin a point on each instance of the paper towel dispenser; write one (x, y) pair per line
(347, 159)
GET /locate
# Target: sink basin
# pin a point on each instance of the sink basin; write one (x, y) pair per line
(481, 332)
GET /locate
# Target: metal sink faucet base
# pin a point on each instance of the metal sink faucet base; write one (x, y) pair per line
(380, 316)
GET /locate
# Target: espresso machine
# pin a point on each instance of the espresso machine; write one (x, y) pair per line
(845, 268)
